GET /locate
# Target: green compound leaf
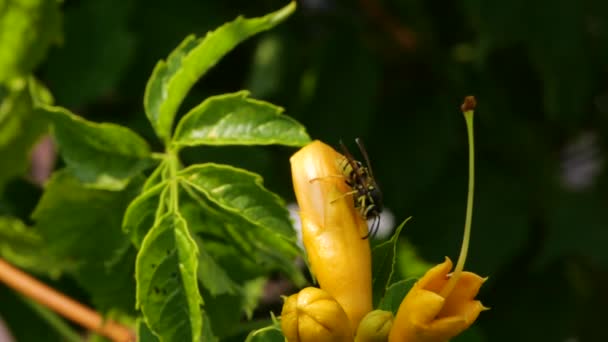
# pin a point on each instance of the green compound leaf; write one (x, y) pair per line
(250, 222)
(166, 276)
(143, 212)
(27, 29)
(102, 155)
(240, 192)
(235, 119)
(383, 263)
(172, 79)
(394, 295)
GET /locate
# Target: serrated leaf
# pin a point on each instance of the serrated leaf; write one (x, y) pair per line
(102, 155)
(172, 79)
(27, 29)
(383, 263)
(245, 249)
(394, 295)
(78, 221)
(167, 287)
(143, 212)
(82, 226)
(20, 125)
(236, 119)
(240, 192)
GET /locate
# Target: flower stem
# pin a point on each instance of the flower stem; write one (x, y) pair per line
(467, 108)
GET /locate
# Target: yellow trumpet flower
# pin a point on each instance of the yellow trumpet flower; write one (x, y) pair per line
(332, 229)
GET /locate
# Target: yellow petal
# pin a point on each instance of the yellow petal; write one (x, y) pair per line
(425, 316)
(313, 315)
(332, 229)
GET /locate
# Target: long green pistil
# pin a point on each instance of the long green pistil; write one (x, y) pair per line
(468, 108)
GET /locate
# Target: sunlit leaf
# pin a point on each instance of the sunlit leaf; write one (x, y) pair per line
(103, 155)
(172, 79)
(236, 119)
(27, 29)
(166, 275)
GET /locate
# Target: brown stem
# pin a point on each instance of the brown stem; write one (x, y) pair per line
(62, 304)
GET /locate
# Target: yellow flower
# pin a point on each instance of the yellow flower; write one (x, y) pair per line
(425, 316)
(312, 315)
(332, 229)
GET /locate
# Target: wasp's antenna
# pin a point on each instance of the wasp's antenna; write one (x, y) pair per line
(364, 153)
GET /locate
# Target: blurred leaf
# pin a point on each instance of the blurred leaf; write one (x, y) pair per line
(167, 288)
(144, 334)
(383, 263)
(142, 212)
(172, 79)
(409, 263)
(20, 125)
(94, 57)
(270, 333)
(102, 155)
(235, 119)
(230, 309)
(23, 247)
(27, 29)
(394, 295)
(211, 275)
(82, 226)
(265, 76)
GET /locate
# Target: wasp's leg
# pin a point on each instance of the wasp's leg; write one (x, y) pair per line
(312, 180)
(342, 196)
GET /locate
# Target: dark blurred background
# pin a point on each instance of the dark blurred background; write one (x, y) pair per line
(394, 73)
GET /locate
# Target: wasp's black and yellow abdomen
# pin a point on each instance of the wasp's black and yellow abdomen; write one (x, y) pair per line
(366, 193)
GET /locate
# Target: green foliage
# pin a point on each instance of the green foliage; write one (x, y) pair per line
(102, 155)
(21, 125)
(172, 79)
(27, 29)
(383, 264)
(249, 122)
(342, 69)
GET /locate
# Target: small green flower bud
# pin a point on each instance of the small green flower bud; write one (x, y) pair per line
(375, 327)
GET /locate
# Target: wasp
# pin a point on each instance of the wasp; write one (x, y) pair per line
(366, 193)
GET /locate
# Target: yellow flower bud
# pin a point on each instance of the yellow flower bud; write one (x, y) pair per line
(375, 327)
(425, 316)
(332, 229)
(313, 315)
